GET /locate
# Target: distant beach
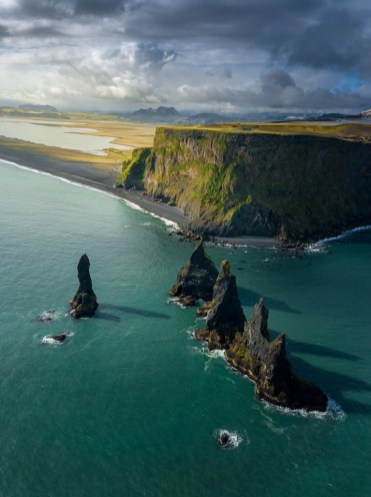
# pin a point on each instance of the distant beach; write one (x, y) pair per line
(99, 177)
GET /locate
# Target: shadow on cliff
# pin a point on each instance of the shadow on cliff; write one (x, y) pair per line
(128, 310)
(250, 298)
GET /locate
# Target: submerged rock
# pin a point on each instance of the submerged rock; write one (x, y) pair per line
(224, 438)
(55, 339)
(46, 316)
(84, 303)
(196, 278)
(225, 316)
(265, 362)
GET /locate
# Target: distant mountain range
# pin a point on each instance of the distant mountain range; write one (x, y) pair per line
(169, 115)
(42, 108)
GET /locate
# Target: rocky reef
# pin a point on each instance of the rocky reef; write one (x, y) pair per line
(225, 316)
(196, 278)
(84, 303)
(264, 361)
(248, 348)
(297, 188)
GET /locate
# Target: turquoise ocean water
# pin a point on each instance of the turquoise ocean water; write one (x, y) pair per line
(130, 404)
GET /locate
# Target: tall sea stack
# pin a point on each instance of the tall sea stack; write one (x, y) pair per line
(196, 278)
(265, 362)
(225, 316)
(84, 303)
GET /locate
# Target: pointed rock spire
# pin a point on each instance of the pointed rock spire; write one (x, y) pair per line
(196, 278)
(84, 303)
(265, 362)
(225, 316)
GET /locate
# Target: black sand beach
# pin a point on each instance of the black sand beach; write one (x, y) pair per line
(101, 179)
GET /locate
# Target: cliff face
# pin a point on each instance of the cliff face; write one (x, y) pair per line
(297, 187)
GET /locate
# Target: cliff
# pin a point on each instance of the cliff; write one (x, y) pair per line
(231, 182)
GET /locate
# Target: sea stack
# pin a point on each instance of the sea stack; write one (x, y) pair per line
(84, 302)
(264, 361)
(225, 316)
(196, 278)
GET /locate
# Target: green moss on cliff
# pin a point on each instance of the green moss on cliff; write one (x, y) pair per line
(132, 172)
(241, 183)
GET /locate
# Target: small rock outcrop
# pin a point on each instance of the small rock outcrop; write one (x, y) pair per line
(224, 438)
(84, 303)
(55, 339)
(264, 361)
(196, 278)
(225, 316)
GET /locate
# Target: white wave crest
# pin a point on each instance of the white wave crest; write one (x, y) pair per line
(59, 178)
(52, 341)
(215, 354)
(320, 246)
(170, 224)
(333, 411)
(176, 301)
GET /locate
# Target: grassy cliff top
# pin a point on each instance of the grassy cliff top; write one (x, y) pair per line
(346, 131)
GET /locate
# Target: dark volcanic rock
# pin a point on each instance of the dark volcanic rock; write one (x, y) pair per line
(225, 316)
(46, 316)
(224, 438)
(55, 339)
(196, 279)
(265, 362)
(84, 302)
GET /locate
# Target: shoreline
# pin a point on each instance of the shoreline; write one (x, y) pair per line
(98, 177)
(103, 180)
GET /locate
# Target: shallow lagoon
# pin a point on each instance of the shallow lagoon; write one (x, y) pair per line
(54, 134)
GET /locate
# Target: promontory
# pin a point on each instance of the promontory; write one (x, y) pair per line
(297, 183)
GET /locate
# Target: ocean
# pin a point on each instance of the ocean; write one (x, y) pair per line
(131, 405)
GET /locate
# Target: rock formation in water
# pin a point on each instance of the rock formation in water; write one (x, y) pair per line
(225, 316)
(55, 339)
(264, 361)
(84, 302)
(196, 278)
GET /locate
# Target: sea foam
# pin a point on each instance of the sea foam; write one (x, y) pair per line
(320, 246)
(334, 411)
(234, 438)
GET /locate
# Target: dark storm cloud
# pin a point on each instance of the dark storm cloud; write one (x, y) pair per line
(65, 9)
(276, 90)
(4, 32)
(42, 9)
(98, 7)
(338, 40)
(314, 33)
(151, 56)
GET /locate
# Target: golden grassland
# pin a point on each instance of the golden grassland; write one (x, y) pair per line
(141, 135)
(131, 134)
(346, 131)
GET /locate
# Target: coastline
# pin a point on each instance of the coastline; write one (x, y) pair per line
(102, 179)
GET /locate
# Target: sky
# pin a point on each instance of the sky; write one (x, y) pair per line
(231, 56)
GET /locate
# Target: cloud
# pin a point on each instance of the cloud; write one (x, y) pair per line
(4, 31)
(220, 73)
(276, 90)
(98, 7)
(186, 52)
